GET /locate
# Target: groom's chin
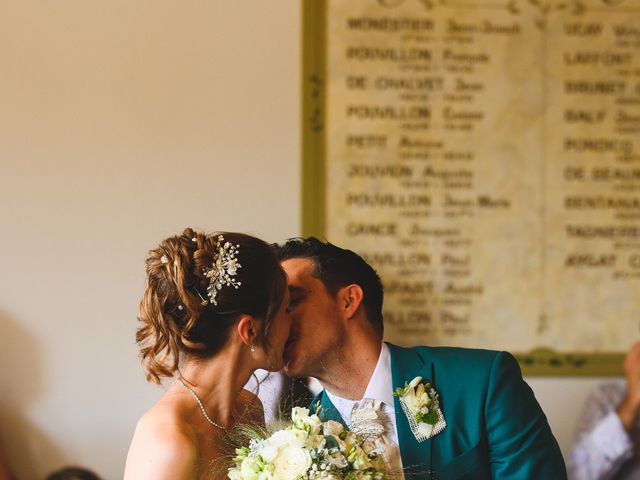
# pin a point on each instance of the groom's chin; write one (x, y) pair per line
(290, 366)
(292, 373)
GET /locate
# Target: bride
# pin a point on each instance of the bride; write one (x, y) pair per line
(212, 313)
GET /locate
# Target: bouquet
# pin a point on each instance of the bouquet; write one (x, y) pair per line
(309, 449)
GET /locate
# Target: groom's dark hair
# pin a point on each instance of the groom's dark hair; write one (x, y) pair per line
(338, 267)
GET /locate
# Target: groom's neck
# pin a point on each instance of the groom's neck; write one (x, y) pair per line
(353, 367)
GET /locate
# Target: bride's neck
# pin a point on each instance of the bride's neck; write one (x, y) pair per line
(218, 381)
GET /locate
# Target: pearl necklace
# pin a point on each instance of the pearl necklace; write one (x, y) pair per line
(204, 412)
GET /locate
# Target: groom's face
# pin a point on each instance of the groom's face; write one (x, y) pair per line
(315, 320)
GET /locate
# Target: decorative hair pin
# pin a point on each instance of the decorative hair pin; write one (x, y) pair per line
(203, 301)
(164, 259)
(225, 267)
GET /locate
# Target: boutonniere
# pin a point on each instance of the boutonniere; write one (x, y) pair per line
(420, 404)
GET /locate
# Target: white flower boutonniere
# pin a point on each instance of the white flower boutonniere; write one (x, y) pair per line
(420, 404)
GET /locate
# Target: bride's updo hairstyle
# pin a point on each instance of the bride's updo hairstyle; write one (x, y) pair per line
(179, 318)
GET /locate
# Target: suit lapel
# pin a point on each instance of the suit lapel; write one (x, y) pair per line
(406, 364)
(323, 406)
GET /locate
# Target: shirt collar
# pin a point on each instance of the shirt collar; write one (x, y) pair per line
(379, 388)
(380, 385)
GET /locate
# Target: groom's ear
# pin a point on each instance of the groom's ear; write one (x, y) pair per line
(350, 299)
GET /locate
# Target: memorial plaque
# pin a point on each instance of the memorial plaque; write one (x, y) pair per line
(484, 157)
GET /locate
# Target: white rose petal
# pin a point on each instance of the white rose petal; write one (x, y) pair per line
(299, 414)
(414, 383)
(268, 453)
(265, 475)
(283, 438)
(292, 462)
(249, 469)
(315, 423)
(300, 438)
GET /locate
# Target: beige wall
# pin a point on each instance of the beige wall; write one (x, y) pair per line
(120, 123)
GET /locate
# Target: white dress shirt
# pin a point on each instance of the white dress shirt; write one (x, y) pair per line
(380, 388)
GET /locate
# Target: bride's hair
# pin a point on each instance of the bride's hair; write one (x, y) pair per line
(175, 323)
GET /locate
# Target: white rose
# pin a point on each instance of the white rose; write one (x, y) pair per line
(331, 427)
(265, 475)
(299, 414)
(249, 469)
(291, 463)
(315, 424)
(233, 474)
(268, 453)
(294, 437)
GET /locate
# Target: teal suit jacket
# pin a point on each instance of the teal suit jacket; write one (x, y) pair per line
(495, 427)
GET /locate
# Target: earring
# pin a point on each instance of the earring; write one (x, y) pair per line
(252, 348)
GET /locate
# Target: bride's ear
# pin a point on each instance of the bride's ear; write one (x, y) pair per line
(350, 299)
(247, 329)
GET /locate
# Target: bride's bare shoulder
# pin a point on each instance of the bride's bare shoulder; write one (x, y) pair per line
(163, 446)
(250, 408)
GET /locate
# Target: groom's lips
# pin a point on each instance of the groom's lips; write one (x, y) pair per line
(287, 346)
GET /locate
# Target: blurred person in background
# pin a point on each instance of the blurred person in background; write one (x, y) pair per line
(607, 439)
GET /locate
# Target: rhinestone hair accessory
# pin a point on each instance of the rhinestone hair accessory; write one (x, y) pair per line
(225, 267)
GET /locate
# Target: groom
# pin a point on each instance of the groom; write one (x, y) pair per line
(495, 428)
